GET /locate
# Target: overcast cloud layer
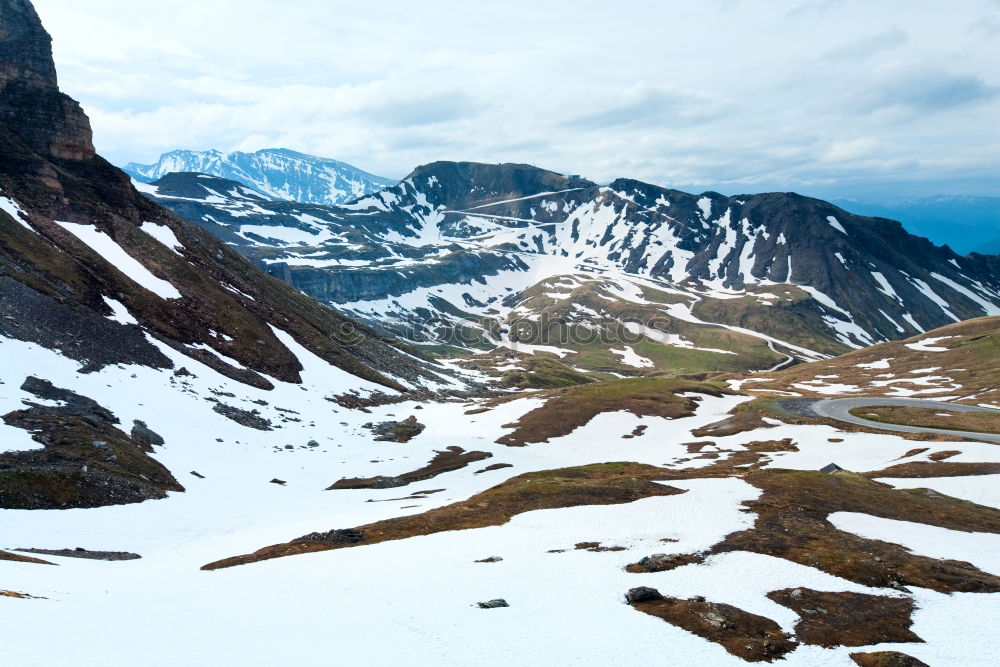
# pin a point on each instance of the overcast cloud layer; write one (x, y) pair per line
(829, 97)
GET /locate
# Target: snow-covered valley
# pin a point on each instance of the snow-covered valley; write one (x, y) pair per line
(422, 591)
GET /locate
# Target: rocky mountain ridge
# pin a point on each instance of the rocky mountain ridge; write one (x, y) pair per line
(478, 247)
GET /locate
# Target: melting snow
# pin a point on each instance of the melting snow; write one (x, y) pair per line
(115, 255)
(10, 207)
(164, 235)
(928, 344)
(705, 204)
(120, 312)
(630, 358)
(988, 307)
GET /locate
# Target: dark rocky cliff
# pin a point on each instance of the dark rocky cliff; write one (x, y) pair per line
(31, 105)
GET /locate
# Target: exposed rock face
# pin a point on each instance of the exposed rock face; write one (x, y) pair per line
(30, 102)
(25, 47)
(85, 460)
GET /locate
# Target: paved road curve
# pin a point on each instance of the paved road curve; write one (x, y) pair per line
(839, 408)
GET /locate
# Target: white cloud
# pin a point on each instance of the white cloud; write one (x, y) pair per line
(729, 94)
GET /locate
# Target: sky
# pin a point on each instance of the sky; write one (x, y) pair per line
(827, 97)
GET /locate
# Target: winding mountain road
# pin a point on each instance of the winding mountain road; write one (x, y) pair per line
(840, 409)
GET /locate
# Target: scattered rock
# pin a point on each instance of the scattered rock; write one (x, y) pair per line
(337, 536)
(146, 438)
(250, 419)
(595, 547)
(642, 594)
(279, 482)
(80, 552)
(493, 604)
(491, 559)
(663, 562)
(397, 431)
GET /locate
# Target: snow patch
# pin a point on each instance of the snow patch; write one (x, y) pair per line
(115, 255)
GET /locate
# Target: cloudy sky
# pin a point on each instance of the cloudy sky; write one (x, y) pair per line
(826, 97)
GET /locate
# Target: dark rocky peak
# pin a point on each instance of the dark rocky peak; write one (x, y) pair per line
(192, 185)
(25, 47)
(459, 185)
(31, 106)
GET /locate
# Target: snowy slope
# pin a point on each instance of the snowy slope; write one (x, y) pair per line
(278, 173)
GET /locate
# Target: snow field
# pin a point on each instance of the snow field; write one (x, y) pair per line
(420, 592)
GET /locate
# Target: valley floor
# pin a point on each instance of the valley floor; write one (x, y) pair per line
(414, 601)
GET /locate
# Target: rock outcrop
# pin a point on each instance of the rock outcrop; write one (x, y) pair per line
(31, 104)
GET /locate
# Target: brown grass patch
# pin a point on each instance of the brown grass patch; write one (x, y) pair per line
(737, 423)
(696, 447)
(494, 466)
(792, 524)
(599, 484)
(886, 659)
(944, 454)
(20, 596)
(917, 469)
(913, 452)
(848, 619)
(765, 446)
(453, 458)
(749, 636)
(18, 558)
(971, 359)
(565, 410)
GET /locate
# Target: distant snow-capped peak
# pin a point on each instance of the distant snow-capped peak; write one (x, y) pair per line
(277, 173)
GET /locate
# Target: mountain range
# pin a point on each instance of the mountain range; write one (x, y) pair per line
(277, 173)
(484, 256)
